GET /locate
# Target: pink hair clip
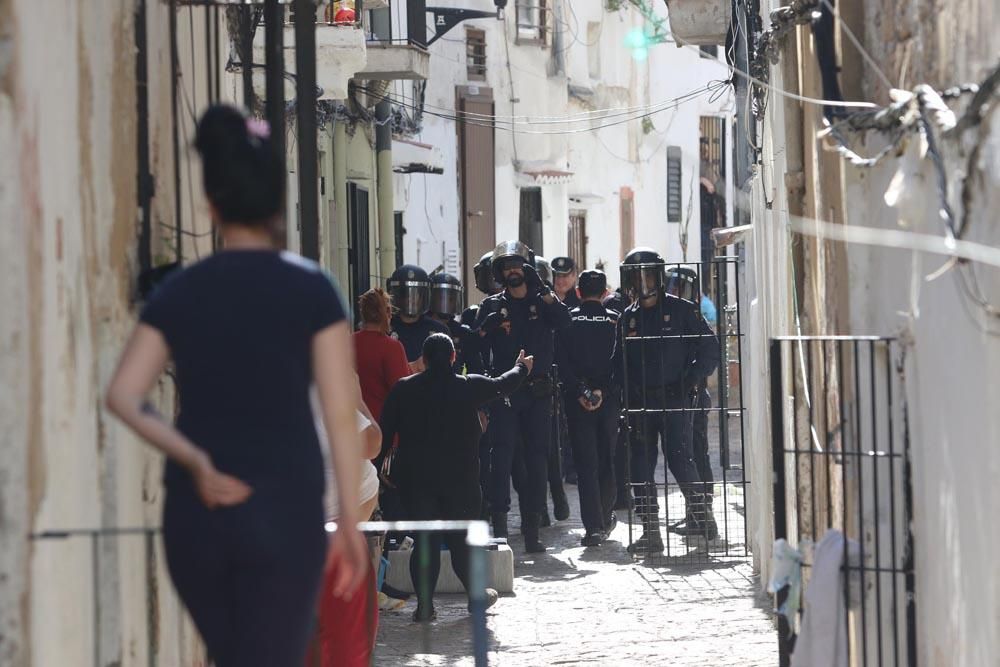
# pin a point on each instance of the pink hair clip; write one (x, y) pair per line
(259, 128)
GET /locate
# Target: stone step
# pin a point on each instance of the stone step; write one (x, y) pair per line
(499, 571)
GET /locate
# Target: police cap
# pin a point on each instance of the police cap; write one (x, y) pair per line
(563, 265)
(593, 283)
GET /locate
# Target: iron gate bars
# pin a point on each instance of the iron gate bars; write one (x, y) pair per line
(840, 454)
(722, 483)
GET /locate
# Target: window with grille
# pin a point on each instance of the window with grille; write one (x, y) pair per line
(578, 238)
(626, 220)
(532, 22)
(530, 223)
(674, 198)
(475, 54)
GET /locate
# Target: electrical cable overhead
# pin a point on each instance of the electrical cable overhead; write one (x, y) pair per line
(665, 106)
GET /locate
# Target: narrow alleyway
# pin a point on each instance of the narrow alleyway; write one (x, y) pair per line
(598, 607)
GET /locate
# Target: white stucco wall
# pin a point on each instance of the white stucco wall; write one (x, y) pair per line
(601, 161)
(951, 384)
(952, 362)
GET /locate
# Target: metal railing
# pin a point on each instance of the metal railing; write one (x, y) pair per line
(477, 537)
(722, 472)
(841, 461)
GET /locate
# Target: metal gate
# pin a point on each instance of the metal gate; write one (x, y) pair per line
(713, 435)
(842, 470)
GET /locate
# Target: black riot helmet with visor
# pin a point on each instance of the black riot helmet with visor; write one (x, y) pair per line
(643, 273)
(511, 255)
(544, 269)
(410, 289)
(683, 282)
(446, 295)
(486, 282)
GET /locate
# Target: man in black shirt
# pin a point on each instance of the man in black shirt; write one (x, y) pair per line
(410, 289)
(664, 348)
(523, 316)
(585, 352)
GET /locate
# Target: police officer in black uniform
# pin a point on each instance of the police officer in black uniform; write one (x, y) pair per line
(446, 304)
(410, 289)
(682, 281)
(474, 363)
(616, 302)
(560, 435)
(585, 351)
(565, 279)
(524, 316)
(658, 370)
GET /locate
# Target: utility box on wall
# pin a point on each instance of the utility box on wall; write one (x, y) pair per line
(699, 22)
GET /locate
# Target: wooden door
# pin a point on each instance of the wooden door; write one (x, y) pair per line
(476, 176)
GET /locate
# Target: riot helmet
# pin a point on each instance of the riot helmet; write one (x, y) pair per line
(446, 295)
(544, 270)
(410, 290)
(485, 280)
(683, 282)
(511, 255)
(643, 273)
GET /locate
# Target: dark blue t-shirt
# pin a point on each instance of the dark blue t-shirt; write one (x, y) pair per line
(240, 327)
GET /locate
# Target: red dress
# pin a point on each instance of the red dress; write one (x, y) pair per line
(347, 628)
(381, 364)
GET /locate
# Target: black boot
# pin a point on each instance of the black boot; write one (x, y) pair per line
(500, 524)
(700, 520)
(651, 542)
(545, 521)
(529, 528)
(560, 504)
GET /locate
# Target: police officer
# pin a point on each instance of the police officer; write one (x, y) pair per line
(617, 302)
(410, 289)
(585, 351)
(523, 316)
(564, 269)
(683, 282)
(445, 306)
(487, 284)
(560, 434)
(670, 348)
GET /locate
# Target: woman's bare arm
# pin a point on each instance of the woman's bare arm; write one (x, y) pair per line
(337, 384)
(145, 356)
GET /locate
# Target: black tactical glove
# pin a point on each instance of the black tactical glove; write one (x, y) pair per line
(534, 281)
(493, 321)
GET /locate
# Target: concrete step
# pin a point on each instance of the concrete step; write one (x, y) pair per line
(499, 571)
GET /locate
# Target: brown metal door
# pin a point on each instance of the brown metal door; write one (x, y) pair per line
(476, 176)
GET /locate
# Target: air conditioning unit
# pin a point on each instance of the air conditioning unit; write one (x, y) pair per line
(700, 22)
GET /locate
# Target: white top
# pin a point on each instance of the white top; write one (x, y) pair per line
(368, 484)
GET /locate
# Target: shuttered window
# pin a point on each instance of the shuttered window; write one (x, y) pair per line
(674, 198)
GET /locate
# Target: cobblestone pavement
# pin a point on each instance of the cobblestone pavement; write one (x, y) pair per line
(598, 606)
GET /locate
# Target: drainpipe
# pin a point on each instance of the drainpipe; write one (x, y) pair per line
(339, 238)
(384, 179)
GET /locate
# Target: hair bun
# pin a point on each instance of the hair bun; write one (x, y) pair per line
(222, 132)
(242, 175)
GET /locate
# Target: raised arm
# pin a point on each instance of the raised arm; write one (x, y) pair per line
(484, 389)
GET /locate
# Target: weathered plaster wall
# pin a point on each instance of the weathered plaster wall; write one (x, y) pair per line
(67, 201)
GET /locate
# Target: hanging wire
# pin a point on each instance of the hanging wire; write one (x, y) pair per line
(666, 106)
